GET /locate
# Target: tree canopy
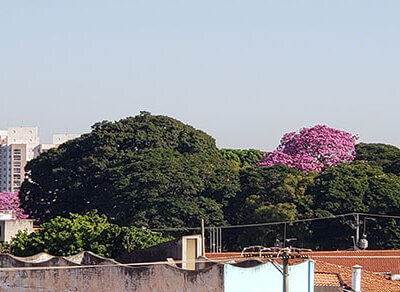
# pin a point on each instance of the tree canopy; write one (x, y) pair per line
(90, 232)
(387, 156)
(145, 170)
(154, 171)
(243, 158)
(313, 149)
(356, 187)
(269, 194)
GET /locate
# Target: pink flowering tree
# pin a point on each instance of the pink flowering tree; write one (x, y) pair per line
(312, 149)
(10, 201)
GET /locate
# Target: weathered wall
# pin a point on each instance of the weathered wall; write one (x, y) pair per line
(112, 278)
(39, 260)
(160, 252)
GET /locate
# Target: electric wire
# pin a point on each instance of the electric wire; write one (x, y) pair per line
(276, 223)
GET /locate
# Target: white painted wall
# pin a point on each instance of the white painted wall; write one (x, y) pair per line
(62, 138)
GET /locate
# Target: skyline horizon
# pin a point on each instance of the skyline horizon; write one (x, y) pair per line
(48, 136)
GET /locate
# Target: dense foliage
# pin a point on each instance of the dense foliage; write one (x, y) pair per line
(313, 149)
(144, 170)
(243, 158)
(384, 155)
(10, 201)
(155, 171)
(90, 232)
(269, 194)
(356, 187)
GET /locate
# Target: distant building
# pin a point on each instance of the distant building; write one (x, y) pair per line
(16, 149)
(59, 139)
(18, 145)
(9, 225)
(41, 148)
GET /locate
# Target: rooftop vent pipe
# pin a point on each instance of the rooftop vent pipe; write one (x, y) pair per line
(356, 278)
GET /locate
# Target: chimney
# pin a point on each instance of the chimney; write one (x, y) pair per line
(356, 278)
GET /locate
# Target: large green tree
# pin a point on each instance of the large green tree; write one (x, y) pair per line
(145, 170)
(355, 187)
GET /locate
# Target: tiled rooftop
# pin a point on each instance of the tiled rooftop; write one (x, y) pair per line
(327, 279)
(382, 261)
(371, 281)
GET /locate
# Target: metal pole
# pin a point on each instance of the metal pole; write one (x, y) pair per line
(365, 226)
(357, 228)
(220, 240)
(210, 240)
(284, 235)
(213, 239)
(286, 273)
(203, 239)
(216, 239)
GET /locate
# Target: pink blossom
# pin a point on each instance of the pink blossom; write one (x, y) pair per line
(313, 149)
(10, 201)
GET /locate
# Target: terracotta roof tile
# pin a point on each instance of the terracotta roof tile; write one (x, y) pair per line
(371, 281)
(382, 261)
(327, 279)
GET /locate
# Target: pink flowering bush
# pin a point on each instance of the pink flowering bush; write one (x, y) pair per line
(10, 201)
(312, 149)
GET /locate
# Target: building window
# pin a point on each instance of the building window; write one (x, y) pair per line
(17, 157)
(17, 176)
(17, 164)
(17, 170)
(17, 151)
(17, 183)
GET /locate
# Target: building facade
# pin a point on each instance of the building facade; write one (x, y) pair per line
(16, 149)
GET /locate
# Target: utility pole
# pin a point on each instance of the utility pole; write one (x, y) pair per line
(285, 271)
(278, 253)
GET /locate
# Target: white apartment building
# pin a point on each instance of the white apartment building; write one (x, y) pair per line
(18, 145)
(16, 149)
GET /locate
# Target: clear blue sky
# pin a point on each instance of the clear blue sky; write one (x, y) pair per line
(243, 71)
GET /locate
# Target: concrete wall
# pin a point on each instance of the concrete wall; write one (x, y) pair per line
(112, 278)
(160, 252)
